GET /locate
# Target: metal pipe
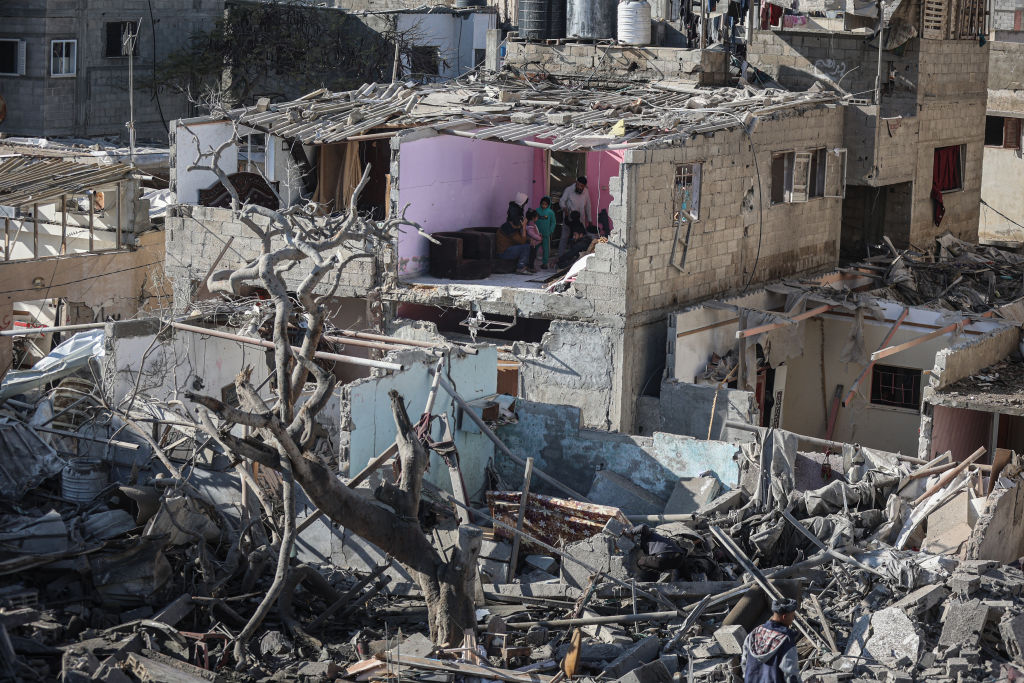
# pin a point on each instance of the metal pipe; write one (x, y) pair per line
(392, 340)
(46, 330)
(661, 519)
(351, 360)
(478, 421)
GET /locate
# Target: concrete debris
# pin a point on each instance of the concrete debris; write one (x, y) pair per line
(614, 490)
(691, 494)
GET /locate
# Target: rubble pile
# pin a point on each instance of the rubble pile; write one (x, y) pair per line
(136, 548)
(957, 275)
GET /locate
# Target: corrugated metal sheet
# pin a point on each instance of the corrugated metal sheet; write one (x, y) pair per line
(555, 521)
(28, 180)
(25, 460)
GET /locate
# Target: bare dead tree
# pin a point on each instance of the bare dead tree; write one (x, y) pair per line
(282, 431)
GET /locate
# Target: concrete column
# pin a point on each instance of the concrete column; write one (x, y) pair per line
(493, 45)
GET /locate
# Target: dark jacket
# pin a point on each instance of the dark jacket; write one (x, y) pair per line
(769, 655)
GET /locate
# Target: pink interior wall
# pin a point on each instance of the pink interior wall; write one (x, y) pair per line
(601, 166)
(451, 183)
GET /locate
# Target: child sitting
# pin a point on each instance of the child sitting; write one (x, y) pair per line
(533, 234)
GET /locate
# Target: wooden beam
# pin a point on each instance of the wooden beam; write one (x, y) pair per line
(891, 350)
(871, 363)
(707, 327)
(786, 322)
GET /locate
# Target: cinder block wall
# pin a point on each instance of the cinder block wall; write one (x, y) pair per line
(195, 235)
(952, 100)
(730, 245)
(580, 60)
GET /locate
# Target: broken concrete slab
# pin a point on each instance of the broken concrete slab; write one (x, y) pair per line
(963, 623)
(613, 489)
(496, 550)
(692, 493)
(598, 551)
(730, 500)
(642, 652)
(895, 640)
(1011, 630)
(605, 633)
(652, 672)
(416, 645)
(544, 563)
(949, 526)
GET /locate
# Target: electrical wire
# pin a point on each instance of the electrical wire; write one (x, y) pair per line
(84, 279)
(1001, 213)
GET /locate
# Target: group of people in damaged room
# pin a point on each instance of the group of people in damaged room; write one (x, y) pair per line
(528, 232)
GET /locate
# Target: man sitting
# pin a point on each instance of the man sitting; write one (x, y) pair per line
(578, 244)
(512, 242)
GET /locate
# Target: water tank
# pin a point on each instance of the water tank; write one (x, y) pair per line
(634, 22)
(462, 4)
(534, 19)
(82, 480)
(556, 19)
(593, 19)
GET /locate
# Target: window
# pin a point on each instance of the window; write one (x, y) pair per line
(63, 57)
(819, 162)
(479, 56)
(687, 190)
(1002, 131)
(948, 169)
(424, 59)
(12, 57)
(798, 176)
(117, 34)
(896, 387)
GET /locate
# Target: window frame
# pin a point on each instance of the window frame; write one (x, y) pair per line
(896, 370)
(1002, 133)
(1009, 134)
(695, 174)
(788, 158)
(19, 57)
(73, 42)
(818, 173)
(120, 54)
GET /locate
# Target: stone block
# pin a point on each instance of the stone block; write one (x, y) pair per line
(610, 488)
(599, 552)
(692, 493)
(496, 550)
(895, 639)
(923, 599)
(1011, 630)
(731, 639)
(642, 652)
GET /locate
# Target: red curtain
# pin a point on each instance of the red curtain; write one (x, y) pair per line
(946, 170)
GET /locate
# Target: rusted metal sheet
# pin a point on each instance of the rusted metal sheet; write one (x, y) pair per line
(555, 521)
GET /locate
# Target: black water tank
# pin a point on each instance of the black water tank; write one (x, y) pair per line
(462, 4)
(535, 19)
(556, 18)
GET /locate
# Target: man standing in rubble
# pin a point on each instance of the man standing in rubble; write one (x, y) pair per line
(769, 652)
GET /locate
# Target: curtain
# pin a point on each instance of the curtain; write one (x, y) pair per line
(338, 174)
(946, 169)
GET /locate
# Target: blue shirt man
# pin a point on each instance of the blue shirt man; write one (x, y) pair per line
(769, 652)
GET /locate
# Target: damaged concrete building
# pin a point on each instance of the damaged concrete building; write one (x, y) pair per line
(686, 187)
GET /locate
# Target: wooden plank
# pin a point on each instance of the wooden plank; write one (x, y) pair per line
(523, 499)
(791, 320)
(891, 350)
(871, 363)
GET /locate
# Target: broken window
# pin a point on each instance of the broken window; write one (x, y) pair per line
(252, 154)
(117, 36)
(797, 176)
(782, 177)
(63, 57)
(896, 387)
(1002, 131)
(687, 189)
(424, 59)
(12, 57)
(819, 162)
(947, 169)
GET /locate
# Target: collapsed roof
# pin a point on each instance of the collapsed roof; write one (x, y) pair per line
(542, 114)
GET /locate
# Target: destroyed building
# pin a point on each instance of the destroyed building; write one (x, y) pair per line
(79, 247)
(685, 183)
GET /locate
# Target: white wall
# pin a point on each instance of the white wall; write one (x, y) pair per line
(451, 183)
(456, 37)
(372, 423)
(1000, 189)
(191, 135)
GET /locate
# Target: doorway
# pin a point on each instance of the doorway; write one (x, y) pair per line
(563, 170)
